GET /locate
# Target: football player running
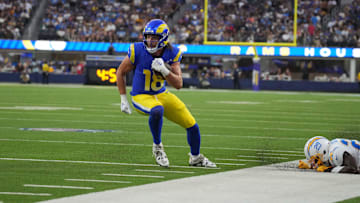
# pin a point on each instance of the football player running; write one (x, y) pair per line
(153, 61)
(337, 156)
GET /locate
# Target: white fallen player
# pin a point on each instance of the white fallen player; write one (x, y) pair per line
(337, 156)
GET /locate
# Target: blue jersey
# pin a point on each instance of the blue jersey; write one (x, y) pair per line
(145, 81)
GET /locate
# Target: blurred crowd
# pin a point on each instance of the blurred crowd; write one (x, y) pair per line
(103, 21)
(320, 22)
(14, 16)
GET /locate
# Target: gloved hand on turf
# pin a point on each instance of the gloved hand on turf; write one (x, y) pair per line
(158, 65)
(323, 168)
(125, 107)
(303, 165)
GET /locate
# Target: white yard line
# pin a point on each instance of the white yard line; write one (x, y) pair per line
(270, 157)
(59, 186)
(163, 171)
(229, 164)
(25, 193)
(171, 124)
(246, 160)
(219, 114)
(130, 175)
(97, 162)
(272, 184)
(148, 145)
(227, 121)
(297, 155)
(122, 132)
(97, 181)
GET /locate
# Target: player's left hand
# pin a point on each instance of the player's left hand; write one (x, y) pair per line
(158, 65)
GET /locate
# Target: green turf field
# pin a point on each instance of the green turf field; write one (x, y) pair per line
(239, 129)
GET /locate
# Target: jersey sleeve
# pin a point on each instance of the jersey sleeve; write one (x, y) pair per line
(177, 55)
(131, 54)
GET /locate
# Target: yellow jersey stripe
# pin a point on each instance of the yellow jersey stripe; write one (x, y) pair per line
(132, 53)
(176, 59)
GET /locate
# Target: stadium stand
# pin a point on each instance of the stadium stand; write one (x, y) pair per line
(105, 21)
(320, 22)
(15, 16)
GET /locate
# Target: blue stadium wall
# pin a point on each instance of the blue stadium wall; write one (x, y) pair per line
(280, 85)
(245, 84)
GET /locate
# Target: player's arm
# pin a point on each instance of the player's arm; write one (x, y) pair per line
(123, 68)
(174, 78)
(349, 165)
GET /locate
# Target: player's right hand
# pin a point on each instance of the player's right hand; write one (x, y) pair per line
(158, 65)
(125, 107)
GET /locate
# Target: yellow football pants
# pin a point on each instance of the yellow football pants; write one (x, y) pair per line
(174, 109)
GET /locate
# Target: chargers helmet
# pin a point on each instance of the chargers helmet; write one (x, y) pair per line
(317, 149)
(156, 27)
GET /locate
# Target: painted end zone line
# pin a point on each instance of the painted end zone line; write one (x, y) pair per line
(25, 193)
(127, 175)
(96, 162)
(98, 181)
(59, 186)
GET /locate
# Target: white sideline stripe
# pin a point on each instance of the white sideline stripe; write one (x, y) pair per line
(172, 124)
(162, 171)
(128, 175)
(98, 181)
(59, 186)
(25, 193)
(143, 145)
(230, 164)
(96, 162)
(272, 157)
(299, 155)
(246, 160)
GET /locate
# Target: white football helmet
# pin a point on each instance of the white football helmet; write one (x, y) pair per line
(317, 149)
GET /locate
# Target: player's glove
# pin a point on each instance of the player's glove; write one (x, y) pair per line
(125, 107)
(158, 65)
(323, 168)
(303, 165)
